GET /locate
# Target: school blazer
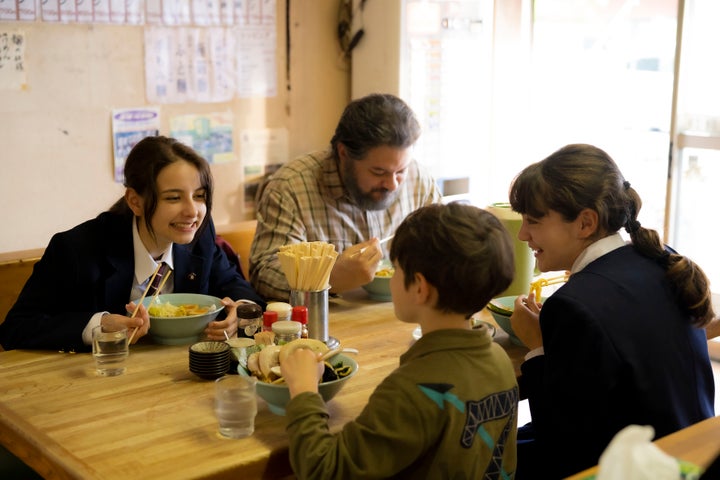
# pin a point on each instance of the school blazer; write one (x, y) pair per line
(619, 350)
(90, 268)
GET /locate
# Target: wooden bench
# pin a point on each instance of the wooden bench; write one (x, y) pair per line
(240, 235)
(15, 269)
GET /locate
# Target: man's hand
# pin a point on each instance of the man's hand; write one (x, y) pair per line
(355, 266)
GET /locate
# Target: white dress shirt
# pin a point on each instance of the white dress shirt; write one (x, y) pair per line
(145, 266)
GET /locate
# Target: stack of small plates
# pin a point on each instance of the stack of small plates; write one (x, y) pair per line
(209, 360)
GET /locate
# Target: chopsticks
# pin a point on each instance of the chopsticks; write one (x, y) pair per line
(384, 240)
(147, 289)
(536, 286)
(307, 266)
(331, 353)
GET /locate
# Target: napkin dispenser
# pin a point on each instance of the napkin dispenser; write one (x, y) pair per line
(524, 258)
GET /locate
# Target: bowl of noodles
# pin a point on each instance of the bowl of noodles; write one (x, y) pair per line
(379, 288)
(180, 318)
(501, 309)
(272, 388)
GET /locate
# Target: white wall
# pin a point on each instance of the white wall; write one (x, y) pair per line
(56, 145)
(376, 58)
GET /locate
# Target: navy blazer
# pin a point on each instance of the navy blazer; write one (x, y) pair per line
(619, 350)
(91, 268)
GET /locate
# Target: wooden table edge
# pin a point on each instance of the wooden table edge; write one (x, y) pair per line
(42, 453)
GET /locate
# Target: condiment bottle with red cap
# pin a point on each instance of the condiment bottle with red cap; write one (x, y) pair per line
(300, 314)
(269, 317)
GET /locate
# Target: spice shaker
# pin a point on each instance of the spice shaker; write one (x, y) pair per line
(283, 309)
(286, 331)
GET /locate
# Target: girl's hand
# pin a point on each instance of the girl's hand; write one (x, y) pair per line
(216, 330)
(525, 321)
(141, 321)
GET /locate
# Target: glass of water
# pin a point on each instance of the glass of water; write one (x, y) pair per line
(236, 405)
(110, 351)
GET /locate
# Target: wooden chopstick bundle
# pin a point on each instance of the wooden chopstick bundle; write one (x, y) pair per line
(307, 265)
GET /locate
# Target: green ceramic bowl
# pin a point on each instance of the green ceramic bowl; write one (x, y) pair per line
(501, 309)
(278, 395)
(182, 330)
(379, 288)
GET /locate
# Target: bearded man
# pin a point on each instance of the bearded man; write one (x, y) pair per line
(350, 195)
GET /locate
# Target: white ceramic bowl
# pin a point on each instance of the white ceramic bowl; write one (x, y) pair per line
(182, 330)
(277, 396)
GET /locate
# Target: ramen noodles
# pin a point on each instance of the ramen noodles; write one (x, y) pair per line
(536, 286)
(385, 272)
(170, 310)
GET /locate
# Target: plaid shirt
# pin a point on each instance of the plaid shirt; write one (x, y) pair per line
(305, 201)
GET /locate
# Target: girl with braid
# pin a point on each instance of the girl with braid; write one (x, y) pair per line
(623, 341)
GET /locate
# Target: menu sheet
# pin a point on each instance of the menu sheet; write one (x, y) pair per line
(12, 59)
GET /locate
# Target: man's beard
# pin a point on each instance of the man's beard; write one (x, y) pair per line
(365, 200)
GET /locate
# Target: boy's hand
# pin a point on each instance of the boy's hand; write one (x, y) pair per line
(302, 371)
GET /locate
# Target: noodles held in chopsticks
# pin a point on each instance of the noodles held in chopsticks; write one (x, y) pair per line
(537, 285)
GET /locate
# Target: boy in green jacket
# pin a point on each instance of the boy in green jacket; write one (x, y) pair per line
(450, 409)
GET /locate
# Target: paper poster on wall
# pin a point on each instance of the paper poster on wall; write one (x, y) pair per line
(211, 134)
(130, 125)
(143, 12)
(8, 11)
(26, 10)
(262, 151)
(256, 61)
(189, 64)
(12, 60)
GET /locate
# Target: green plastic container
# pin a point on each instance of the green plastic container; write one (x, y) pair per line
(524, 258)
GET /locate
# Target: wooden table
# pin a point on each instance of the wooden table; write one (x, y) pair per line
(698, 444)
(156, 421)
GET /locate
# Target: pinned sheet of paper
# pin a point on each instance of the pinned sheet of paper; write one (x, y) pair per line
(12, 60)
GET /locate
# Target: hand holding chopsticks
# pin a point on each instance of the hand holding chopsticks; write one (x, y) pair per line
(380, 242)
(147, 289)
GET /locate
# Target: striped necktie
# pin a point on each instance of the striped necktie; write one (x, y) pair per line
(162, 271)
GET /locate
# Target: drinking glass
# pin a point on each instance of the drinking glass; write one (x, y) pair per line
(110, 351)
(236, 405)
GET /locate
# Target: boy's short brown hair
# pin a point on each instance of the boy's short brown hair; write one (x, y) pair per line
(462, 250)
